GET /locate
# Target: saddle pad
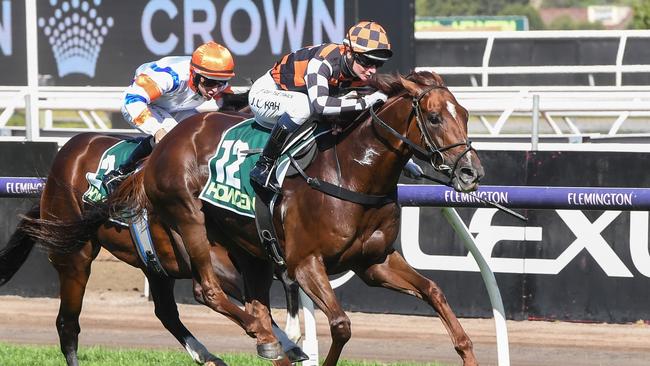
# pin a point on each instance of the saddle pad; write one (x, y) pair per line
(229, 185)
(113, 157)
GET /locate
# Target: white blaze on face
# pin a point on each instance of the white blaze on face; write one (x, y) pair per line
(367, 157)
(451, 107)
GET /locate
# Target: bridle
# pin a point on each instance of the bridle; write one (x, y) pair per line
(433, 154)
(430, 154)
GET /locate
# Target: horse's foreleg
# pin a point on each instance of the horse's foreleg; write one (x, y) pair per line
(292, 332)
(292, 326)
(74, 270)
(313, 279)
(162, 291)
(232, 283)
(396, 274)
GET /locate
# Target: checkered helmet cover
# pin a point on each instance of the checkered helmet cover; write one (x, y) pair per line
(367, 36)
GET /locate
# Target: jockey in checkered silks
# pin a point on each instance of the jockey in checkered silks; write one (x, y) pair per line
(301, 83)
(167, 91)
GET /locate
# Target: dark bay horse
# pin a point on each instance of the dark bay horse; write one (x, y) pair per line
(62, 200)
(320, 234)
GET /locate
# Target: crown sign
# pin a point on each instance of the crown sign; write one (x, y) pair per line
(76, 35)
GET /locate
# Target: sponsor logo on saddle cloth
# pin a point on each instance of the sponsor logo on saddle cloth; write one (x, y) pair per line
(239, 149)
(113, 157)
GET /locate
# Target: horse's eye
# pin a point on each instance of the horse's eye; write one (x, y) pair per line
(434, 118)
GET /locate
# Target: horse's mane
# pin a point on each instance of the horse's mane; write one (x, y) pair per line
(390, 84)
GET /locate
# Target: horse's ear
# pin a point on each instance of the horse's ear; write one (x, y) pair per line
(410, 86)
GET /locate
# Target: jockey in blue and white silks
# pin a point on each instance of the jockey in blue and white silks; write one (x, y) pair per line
(166, 91)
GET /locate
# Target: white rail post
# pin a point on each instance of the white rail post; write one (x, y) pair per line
(503, 351)
(619, 59)
(31, 98)
(485, 65)
(534, 138)
(310, 340)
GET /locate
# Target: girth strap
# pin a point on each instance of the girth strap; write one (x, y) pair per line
(343, 193)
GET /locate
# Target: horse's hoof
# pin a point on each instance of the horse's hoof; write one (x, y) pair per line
(296, 355)
(270, 351)
(214, 361)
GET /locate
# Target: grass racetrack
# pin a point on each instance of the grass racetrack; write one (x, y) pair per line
(26, 355)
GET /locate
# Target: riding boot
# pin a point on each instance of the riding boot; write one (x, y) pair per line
(261, 173)
(113, 178)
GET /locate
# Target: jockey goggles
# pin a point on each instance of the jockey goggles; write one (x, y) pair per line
(211, 83)
(367, 62)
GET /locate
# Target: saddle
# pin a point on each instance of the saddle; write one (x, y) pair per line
(113, 157)
(138, 225)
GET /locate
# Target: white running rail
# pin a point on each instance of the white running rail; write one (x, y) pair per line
(485, 69)
(495, 111)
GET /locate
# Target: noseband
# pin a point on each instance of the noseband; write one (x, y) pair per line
(432, 153)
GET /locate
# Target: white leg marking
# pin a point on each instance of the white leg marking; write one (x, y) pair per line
(191, 347)
(292, 328)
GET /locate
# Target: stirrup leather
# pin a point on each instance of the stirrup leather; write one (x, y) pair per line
(262, 174)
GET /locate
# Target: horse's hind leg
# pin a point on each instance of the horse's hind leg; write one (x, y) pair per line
(190, 221)
(231, 282)
(162, 291)
(74, 270)
(395, 274)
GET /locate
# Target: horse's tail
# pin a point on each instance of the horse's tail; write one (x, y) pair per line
(130, 197)
(68, 236)
(65, 235)
(17, 250)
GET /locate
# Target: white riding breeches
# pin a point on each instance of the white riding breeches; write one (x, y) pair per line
(268, 103)
(160, 119)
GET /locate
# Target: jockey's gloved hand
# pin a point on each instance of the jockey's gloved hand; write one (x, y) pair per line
(351, 95)
(412, 170)
(373, 98)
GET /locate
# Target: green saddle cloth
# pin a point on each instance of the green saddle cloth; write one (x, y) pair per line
(229, 185)
(113, 157)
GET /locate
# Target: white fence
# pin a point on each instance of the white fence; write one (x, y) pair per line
(575, 114)
(602, 110)
(485, 69)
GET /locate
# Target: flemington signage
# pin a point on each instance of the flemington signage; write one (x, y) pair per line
(569, 198)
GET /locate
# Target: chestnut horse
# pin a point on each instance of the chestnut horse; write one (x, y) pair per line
(319, 234)
(62, 200)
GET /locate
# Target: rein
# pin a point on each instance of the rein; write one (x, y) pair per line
(429, 154)
(432, 152)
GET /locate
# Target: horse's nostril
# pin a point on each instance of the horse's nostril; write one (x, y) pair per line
(468, 174)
